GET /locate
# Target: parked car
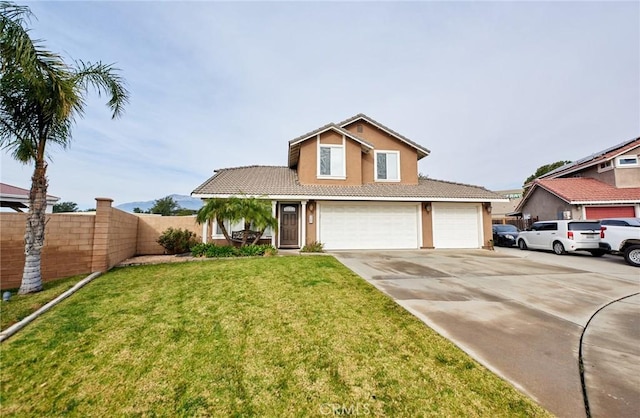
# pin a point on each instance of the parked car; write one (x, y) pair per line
(621, 236)
(505, 235)
(563, 236)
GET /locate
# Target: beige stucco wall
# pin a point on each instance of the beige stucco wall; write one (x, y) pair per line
(385, 142)
(627, 177)
(310, 227)
(308, 164)
(427, 227)
(487, 224)
(359, 165)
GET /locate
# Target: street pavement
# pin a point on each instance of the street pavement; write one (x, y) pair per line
(522, 315)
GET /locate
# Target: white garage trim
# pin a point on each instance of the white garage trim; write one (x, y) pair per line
(457, 225)
(369, 225)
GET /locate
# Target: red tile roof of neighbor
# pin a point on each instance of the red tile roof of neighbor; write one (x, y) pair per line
(7, 189)
(588, 190)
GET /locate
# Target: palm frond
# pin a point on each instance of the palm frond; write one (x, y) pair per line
(105, 78)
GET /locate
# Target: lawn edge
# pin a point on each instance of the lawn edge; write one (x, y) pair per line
(4, 335)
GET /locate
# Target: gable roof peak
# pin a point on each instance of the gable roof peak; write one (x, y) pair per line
(422, 151)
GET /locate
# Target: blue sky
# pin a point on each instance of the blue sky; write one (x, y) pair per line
(493, 89)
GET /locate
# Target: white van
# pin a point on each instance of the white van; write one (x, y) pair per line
(563, 236)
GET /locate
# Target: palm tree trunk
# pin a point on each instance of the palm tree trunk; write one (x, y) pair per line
(34, 233)
(224, 230)
(255, 241)
(245, 234)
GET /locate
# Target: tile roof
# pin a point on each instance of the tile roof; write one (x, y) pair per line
(593, 159)
(578, 190)
(7, 189)
(283, 181)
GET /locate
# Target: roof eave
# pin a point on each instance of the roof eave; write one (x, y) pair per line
(355, 198)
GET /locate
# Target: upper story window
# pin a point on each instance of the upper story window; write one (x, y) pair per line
(387, 165)
(627, 161)
(604, 166)
(331, 161)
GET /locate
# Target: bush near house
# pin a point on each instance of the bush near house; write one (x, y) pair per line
(211, 250)
(177, 241)
(314, 247)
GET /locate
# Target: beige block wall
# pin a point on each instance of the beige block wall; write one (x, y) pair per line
(68, 246)
(123, 236)
(150, 227)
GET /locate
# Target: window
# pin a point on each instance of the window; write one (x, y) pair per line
(331, 158)
(387, 165)
(604, 166)
(627, 161)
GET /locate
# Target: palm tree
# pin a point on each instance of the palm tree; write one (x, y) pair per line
(253, 211)
(40, 97)
(256, 213)
(220, 210)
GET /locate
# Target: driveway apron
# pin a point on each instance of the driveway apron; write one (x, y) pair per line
(524, 320)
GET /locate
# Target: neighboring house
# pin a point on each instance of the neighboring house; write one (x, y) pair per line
(501, 210)
(17, 198)
(602, 185)
(354, 185)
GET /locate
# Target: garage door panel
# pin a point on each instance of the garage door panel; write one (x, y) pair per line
(456, 226)
(368, 226)
(610, 212)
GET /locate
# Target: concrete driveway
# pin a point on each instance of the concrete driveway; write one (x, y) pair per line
(522, 314)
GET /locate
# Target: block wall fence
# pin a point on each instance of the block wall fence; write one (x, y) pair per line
(83, 243)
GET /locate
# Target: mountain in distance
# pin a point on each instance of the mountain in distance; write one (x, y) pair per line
(186, 202)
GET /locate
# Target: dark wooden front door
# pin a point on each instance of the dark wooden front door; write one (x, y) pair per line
(289, 225)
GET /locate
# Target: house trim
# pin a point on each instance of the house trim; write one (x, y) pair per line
(358, 198)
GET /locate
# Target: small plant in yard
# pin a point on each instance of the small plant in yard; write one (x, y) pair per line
(177, 241)
(314, 247)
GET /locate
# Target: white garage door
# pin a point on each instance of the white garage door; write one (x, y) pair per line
(456, 225)
(368, 225)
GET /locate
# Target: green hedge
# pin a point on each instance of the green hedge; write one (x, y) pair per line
(215, 251)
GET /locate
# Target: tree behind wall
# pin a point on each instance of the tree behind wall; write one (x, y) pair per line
(165, 206)
(40, 97)
(65, 207)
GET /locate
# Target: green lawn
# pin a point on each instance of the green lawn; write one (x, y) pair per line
(274, 337)
(21, 306)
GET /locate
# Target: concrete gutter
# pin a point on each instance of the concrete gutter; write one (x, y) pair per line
(26, 321)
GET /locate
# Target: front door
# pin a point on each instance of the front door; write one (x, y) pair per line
(289, 225)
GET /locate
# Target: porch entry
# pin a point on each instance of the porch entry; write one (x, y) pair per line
(289, 225)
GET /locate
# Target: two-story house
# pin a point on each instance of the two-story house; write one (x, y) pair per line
(602, 185)
(355, 185)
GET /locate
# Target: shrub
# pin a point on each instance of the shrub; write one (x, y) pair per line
(314, 247)
(177, 241)
(212, 250)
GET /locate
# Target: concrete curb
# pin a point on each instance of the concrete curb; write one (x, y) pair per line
(17, 327)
